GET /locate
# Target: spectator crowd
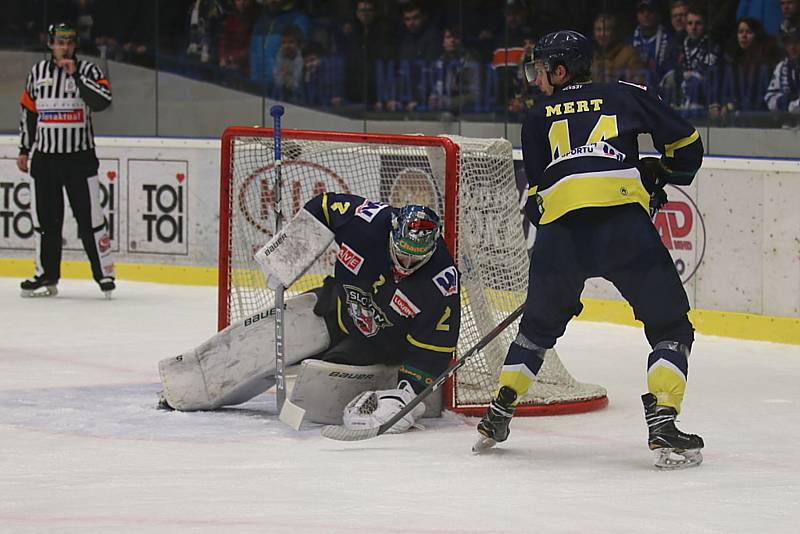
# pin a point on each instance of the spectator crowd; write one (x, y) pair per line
(712, 59)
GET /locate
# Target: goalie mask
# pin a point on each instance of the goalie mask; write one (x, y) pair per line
(415, 230)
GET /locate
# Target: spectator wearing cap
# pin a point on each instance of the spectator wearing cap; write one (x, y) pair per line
(766, 11)
(783, 93)
(650, 38)
(613, 59)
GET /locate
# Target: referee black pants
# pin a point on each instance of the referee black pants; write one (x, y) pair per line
(77, 174)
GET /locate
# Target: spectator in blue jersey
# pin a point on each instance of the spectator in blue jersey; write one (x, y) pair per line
(692, 59)
(650, 38)
(783, 93)
(266, 39)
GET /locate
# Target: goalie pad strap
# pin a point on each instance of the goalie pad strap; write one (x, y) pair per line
(294, 248)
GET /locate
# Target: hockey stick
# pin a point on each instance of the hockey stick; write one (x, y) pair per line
(341, 433)
(280, 371)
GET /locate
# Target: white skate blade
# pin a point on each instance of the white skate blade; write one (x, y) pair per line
(483, 444)
(292, 414)
(44, 291)
(670, 459)
(107, 294)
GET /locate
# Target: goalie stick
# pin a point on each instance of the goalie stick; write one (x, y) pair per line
(341, 433)
(280, 370)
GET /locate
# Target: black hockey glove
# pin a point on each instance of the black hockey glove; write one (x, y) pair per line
(654, 176)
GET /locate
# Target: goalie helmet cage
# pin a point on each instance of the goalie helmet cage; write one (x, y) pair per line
(469, 182)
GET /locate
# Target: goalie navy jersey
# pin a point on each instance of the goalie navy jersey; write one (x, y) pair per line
(580, 147)
(414, 320)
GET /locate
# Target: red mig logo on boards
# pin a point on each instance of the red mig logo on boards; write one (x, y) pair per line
(681, 227)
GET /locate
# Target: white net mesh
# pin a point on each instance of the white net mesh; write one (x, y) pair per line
(492, 254)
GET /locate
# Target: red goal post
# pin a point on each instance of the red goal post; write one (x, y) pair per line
(469, 181)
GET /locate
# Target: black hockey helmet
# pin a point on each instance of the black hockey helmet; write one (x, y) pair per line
(61, 30)
(567, 47)
(415, 230)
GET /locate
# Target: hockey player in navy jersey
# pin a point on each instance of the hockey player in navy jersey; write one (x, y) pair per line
(393, 300)
(590, 196)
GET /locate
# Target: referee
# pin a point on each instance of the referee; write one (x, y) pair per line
(56, 124)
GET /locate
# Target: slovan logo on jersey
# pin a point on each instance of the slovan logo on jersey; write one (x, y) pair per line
(366, 315)
(351, 259)
(368, 210)
(447, 281)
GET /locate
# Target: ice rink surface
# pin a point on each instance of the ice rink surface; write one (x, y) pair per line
(82, 448)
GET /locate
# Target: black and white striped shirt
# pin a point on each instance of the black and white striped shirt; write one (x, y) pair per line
(56, 116)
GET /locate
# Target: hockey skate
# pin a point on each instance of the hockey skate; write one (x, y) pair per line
(674, 449)
(38, 287)
(494, 425)
(107, 286)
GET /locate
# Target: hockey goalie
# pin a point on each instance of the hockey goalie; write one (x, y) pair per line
(368, 340)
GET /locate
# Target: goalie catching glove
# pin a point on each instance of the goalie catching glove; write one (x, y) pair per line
(373, 408)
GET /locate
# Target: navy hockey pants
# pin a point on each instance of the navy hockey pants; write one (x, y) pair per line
(619, 244)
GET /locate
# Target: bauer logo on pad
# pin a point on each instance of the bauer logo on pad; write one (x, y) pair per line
(351, 260)
(368, 210)
(447, 281)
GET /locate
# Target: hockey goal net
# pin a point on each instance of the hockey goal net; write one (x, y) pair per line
(469, 181)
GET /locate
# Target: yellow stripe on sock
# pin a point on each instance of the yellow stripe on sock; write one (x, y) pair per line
(667, 385)
(516, 380)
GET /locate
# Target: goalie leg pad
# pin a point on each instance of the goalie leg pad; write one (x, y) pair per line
(323, 389)
(238, 363)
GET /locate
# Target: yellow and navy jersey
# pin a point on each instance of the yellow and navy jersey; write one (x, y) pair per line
(415, 319)
(580, 147)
